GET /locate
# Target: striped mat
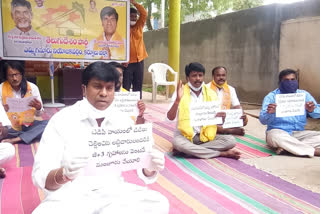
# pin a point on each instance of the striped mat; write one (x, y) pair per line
(248, 145)
(222, 185)
(217, 185)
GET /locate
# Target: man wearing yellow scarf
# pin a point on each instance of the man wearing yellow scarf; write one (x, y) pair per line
(24, 126)
(201, 142)
(227, 96)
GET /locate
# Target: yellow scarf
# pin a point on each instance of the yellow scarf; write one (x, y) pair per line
(123, 90)
(226, 98)
(17, 118)
(207, 133)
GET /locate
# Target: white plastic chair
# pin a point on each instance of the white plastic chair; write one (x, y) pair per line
(159, 77)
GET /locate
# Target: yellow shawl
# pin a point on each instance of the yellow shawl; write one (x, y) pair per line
(17, 118)
(207, 133)
(226, 98)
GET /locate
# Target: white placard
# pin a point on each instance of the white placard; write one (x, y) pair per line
(204, 113)
(233, 118)
(119, 149)
(292, 104)
(19, 104)
(127, 102)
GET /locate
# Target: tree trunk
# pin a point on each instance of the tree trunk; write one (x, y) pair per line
(149, 8)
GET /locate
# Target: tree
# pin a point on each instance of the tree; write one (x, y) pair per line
(204, 8)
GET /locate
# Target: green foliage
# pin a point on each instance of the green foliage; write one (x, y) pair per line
(204, 8)
(245, 4)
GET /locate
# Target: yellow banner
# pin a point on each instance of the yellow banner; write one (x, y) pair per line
(64, 30)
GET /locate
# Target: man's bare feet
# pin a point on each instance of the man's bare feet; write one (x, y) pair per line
(231, 153)
(237, 131)
(317, 152)
(2, 173)
(279, 151)
(11, 140)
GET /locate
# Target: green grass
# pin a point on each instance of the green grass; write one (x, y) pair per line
(161, 89)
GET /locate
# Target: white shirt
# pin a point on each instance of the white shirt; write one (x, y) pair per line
(3, 117)
(16, 43)
(65, 134)
(194, 99)
(17, 94)
(234, 98)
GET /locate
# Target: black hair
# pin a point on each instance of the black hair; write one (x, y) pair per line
(109, 11)
(101, 71)
(286, 72)
(218, 67)
(22, 3)
(133, 10)
(19, 66)
(117, 65)
(194, 66)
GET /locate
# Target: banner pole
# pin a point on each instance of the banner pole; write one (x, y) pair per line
(52, 104)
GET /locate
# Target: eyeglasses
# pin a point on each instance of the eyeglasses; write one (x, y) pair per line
(14, 75)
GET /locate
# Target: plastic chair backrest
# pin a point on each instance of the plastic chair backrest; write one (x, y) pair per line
(159, 72)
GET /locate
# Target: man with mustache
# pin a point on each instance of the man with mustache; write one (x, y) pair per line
(24, 126)
(22, 40)
(287, 133)
(227, 96)
(201, 142)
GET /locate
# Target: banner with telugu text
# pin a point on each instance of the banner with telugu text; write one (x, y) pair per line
(61, 30)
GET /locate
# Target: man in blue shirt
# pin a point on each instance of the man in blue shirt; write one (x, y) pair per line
(287, 133)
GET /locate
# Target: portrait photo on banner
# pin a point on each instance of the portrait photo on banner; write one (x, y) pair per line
(59, 30)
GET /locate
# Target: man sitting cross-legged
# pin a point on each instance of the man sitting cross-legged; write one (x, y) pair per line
(287, 133)
(24, 126)
(227, 96)
(201, 142)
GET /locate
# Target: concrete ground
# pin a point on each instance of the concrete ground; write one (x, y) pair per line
(304, 172)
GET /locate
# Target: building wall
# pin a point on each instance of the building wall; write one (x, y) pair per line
(246, 42)
(299, 49)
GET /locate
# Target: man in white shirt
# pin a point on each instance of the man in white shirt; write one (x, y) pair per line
(22, 40)
(7, 150)
(25, 128)
(62, 155)
(227, 96)
(201, 142)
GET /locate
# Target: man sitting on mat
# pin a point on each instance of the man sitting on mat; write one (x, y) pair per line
(25, 128)
(63, 155)
(201, 142)
(286, 133)
(228, 98)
